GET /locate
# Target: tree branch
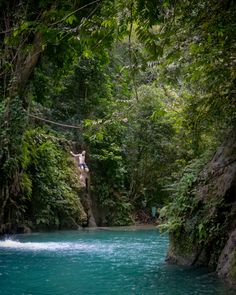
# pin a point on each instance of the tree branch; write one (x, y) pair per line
(68, 15)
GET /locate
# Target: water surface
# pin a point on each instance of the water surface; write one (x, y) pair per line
(97, 262)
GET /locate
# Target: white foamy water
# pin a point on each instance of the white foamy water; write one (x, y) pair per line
(52, 246)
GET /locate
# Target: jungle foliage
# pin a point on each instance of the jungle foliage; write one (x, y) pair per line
(149, 86)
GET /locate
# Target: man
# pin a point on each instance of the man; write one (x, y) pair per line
(81, 160)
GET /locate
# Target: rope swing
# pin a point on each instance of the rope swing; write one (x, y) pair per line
(55, 123)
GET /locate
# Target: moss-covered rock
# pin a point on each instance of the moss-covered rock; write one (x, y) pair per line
(182, 249)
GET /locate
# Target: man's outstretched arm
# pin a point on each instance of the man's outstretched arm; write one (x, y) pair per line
(74, 155)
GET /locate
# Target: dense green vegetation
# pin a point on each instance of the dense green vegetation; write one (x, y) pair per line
(149, 87)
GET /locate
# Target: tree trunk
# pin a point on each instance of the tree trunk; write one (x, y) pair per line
(25, 66)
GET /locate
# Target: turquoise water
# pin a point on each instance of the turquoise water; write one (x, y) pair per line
(97, 262)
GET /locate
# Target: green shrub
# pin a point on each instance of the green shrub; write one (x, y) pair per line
(49, 182)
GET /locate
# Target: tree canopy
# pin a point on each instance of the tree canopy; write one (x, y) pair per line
(148, 85)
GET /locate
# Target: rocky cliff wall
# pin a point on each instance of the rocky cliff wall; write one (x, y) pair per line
(207, 235)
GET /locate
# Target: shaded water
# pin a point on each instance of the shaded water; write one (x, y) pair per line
(97, 262)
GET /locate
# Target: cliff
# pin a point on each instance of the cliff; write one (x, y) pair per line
(86, 199)
(207, 232)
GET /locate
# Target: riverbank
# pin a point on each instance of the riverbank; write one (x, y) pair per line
(129, 227)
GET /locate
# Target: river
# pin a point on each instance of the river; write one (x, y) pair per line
(98, 262)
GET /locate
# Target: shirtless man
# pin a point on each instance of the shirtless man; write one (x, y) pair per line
(82, 164)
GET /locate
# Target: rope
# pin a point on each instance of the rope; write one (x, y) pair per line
(55, 123)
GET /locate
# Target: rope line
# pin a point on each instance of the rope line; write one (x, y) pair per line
(55, 123)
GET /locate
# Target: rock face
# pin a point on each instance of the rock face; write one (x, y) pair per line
(86, 197)
(226, 267)
(208, 232)
(86, 200)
